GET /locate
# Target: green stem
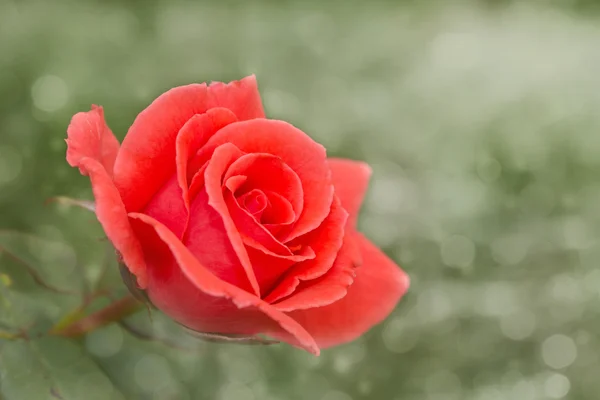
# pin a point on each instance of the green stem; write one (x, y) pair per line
(114, 312)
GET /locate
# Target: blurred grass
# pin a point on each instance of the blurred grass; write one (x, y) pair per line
(480, 120)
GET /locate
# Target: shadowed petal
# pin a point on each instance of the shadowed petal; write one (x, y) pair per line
(168, 207)
(326, 289)
(208, 240)
(221, 159)
(325, 241)
(185, 290)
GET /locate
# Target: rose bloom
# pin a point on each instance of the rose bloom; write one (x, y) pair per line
(234, 224)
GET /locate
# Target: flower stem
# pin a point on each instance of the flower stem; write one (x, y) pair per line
(78, 326)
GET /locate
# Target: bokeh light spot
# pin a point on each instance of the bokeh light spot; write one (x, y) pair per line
(105, 342)
(559, 351)
(557, 386)
(50, 93)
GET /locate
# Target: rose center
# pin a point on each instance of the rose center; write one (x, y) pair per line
(255, 202)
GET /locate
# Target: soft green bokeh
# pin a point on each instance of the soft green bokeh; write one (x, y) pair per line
(481, 121)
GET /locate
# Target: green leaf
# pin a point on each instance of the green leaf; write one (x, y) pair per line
(51, 368)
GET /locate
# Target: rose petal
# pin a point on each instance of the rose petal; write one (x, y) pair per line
(148, 150)
(350, 179)
(279, 213)
(111, 213)
(257, 237)
(269, 268)
(253, 233)
(302, 154)
(194, 134)
(197, 182)
(255, 202)
(268, 172)
(221, 159)
(326, 242)
(327, 289)
(265, 172)
(378, 286)
(89, 136)
(186, 291)
(209, 242)
(242, 97)
(278, 208)
(235, 182)
(168, 207)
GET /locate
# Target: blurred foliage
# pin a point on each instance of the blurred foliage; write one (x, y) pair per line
(480, 120)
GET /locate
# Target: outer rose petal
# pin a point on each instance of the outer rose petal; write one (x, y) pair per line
(111, 213)
(89, 136)
(350, 179)
(241, 97)
(148, 150)
(302, 154)
(184, 289)
(378, 286)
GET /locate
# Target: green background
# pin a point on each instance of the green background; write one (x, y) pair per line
(480, 120)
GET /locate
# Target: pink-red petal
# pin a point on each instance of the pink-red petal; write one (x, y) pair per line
(265, 172)
(296, 149)
(268, 172)
(148, 150)
(168, 207)
(89, 136)
(378, 286)
(209, 242)
(221, 159)
(279, 213)
(255, 201)
(327, 289)
(350, 179)
(193, 135)
(242, 97)
(326, 242)
(197, 182)
(253, 233)
(269, 268)
(186, 291)
(111, 213)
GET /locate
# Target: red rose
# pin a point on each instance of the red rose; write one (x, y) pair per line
(237, 224)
